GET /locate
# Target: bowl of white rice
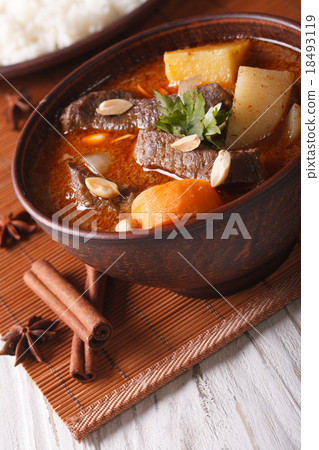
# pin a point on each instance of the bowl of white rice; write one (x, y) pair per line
(35, 34)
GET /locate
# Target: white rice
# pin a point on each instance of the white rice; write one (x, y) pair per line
(30, 28)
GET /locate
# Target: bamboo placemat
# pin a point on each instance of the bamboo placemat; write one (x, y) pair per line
(157, 334)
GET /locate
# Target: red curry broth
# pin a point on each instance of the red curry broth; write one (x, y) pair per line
(51, 179)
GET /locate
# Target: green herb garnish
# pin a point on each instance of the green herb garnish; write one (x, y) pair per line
(187, 116)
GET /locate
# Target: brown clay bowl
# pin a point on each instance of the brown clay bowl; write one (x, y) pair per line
(271, 212)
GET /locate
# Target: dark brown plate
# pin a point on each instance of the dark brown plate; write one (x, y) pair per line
(82, 46)
(271, 212)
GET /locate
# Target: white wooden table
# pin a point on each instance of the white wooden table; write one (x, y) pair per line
(246, 396)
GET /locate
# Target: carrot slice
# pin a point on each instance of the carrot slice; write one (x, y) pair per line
(94, 139)
(144, 91)
(163, 91)
(153, 206)
(125, 136)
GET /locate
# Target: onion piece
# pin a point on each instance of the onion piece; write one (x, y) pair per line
(190, 84)
(99, 163)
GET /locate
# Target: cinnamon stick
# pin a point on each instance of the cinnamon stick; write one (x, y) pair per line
(72, 307)
(83, 364)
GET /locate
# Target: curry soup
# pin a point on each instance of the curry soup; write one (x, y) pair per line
(52, 187)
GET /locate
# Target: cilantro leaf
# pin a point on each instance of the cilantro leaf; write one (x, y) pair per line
(210, 122)
(188, 103)
(187, 116)
(199, 106)
(167, 102)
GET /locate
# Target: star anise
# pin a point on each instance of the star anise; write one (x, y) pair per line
(13, 226)
(21, 341)
(17, 105)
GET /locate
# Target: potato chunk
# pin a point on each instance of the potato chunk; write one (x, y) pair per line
(260, 100)
(215, 63)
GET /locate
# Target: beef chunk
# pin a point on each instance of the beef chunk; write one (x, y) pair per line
(82, 114)
(214, 94)
(245, 167)
(153, 151)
